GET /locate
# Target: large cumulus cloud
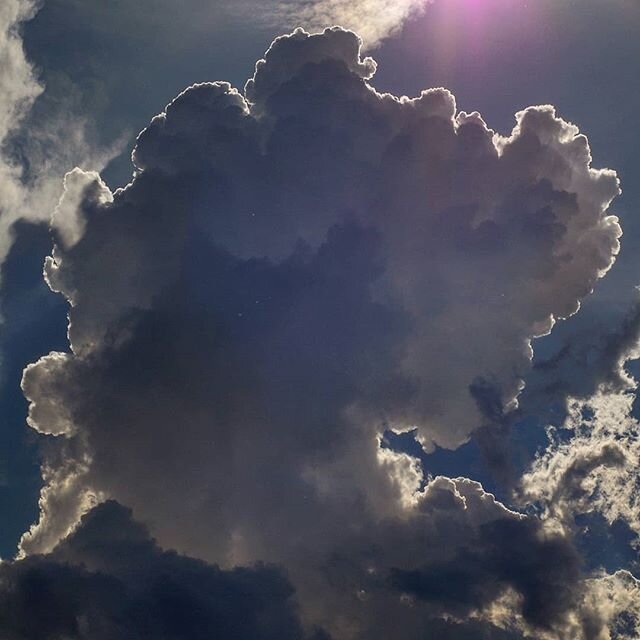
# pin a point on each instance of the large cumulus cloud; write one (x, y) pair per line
(290, 272)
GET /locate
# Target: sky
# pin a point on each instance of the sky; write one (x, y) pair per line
(319, 320)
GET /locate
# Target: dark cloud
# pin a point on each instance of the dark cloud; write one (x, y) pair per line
(290, 272)
(109, 579)
(504, 553)
(591, 359)
(493, 436)
(375, 20)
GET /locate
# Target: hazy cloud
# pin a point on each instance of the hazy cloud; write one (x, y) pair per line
(590, 358)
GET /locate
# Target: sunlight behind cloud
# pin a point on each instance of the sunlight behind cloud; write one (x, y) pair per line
(374, 20)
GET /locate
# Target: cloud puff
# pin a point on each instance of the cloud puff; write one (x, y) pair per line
(290, 272)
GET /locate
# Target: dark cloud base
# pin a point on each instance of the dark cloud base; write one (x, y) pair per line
(110, 580)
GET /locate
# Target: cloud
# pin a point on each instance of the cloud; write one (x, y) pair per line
(290, 272)
(590, 358)
(41, 138)
(464, 555)
(110, 580)
(591, 464)
(491, 563)
(19, 86)
(36, 149)
(374, 20)
(617, 597)
(18, 90)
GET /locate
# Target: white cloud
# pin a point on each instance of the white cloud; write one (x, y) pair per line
(374, 20)
(52, 148)
(591, 465)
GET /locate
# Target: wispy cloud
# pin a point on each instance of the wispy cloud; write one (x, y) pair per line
(592, 469)
(374, 20)
(34, 154)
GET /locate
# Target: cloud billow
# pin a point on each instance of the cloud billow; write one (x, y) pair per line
(290, 272)
(110, 580)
